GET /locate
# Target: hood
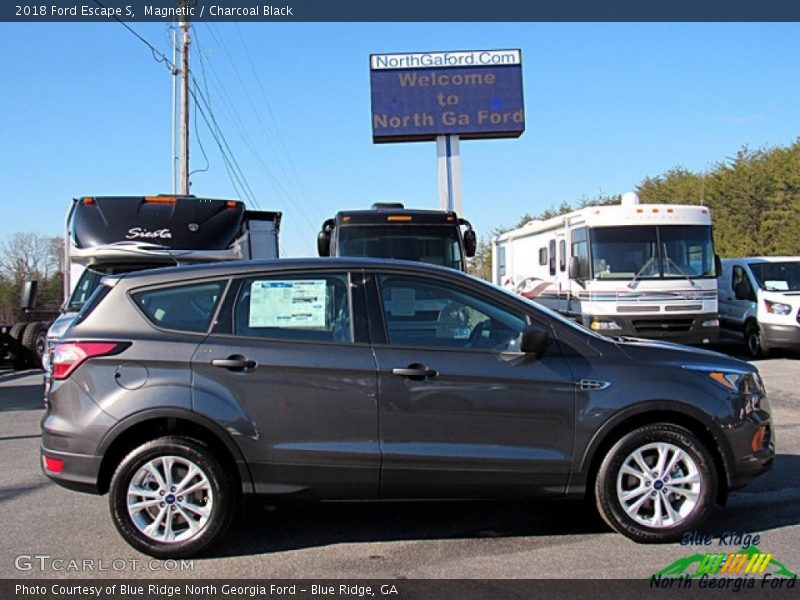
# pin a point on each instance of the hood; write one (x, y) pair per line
(643, 351)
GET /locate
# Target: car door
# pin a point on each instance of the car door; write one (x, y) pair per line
(289, 372)
(740, 298)
(462, 413)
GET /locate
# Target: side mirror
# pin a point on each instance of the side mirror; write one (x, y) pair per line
(27, 297)
(470, 240)
(717, 265)
(324, 243)
(470, 243)
(535, 339)
(574, 269)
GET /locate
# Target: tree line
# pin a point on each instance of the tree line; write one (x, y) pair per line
(30, 256)
(754, 199)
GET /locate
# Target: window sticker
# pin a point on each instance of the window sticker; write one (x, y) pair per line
(777, 286)
(294, 303)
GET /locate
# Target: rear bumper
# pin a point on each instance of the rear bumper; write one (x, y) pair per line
(79, 472)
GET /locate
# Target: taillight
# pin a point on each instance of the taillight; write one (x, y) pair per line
(68, 356)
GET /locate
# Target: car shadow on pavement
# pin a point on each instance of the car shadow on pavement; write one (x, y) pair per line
(21, 397)
(267, 529)
(769, 502)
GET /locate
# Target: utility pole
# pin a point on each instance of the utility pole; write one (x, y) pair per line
(184, 155)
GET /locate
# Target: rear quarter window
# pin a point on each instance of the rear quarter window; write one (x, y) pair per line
(183, 307)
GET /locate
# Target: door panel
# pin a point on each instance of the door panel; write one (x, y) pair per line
(310, 402)
(475, 417)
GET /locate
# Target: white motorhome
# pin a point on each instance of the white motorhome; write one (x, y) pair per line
(644, 270)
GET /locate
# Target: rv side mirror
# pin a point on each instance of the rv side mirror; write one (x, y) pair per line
(27, 297)
(324, 243)
(717, 265)
(470, 243)
(535, 339)
(574, 267)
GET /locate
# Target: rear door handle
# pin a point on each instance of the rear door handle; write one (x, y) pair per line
(416, 371)
(234, 363)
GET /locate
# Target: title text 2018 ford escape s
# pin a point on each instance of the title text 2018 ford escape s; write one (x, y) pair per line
(178, 389)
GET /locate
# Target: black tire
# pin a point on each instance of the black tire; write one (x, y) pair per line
(643, 526)
(219, 494)
(35, 342)
(18, 357)
(754, 341)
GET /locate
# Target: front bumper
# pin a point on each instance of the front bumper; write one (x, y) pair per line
(681, 329)
(781, 336)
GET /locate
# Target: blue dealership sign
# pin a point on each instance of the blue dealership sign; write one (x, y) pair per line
(472, 94)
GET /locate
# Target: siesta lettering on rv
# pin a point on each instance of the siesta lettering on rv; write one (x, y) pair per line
(141, 233)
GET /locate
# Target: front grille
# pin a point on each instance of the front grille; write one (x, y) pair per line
(664, 326)
(636, 308)
(674, 308)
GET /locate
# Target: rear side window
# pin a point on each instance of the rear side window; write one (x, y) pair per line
(100, 292)
(308, 307)
(183, 307)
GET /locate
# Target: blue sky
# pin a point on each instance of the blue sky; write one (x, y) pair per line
(86, 111)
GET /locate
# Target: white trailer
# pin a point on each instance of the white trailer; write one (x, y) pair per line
(642, 270)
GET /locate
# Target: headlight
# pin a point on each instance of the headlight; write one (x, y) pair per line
(605, 325)
(739, 382)
(777, 308)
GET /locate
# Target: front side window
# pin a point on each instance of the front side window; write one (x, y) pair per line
(580, 250)
(434, 244)
(183, 307)
(295, 307)
(437, 315)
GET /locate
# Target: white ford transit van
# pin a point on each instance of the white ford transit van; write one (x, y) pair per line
(759, 299)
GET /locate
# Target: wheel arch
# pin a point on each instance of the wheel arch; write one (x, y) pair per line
(660, 412)
(150, 424)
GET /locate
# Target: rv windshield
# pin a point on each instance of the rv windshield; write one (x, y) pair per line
(435, 244)
(648, 252)
(777, 276)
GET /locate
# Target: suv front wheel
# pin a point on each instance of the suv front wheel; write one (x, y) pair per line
(655, 483)
(171, 498)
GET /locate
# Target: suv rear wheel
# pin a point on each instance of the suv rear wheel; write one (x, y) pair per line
(171, 498)
(655, 483)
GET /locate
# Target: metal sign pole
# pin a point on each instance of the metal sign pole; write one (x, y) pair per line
(448, 154)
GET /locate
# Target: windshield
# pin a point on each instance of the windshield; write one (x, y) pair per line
(777, 276)
(435, 244)
(650, 252)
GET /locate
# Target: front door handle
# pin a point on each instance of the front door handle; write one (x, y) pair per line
(234, 363)
(416, 371)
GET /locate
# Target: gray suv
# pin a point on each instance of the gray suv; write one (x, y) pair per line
(178, 390)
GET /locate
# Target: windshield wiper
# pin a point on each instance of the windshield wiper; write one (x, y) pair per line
(679, 270)
(645, 266)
